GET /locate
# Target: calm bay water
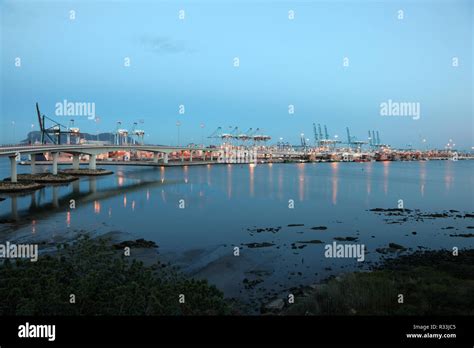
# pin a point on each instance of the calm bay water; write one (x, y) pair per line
(223, 201)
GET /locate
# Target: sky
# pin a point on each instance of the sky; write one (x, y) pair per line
(391, 55)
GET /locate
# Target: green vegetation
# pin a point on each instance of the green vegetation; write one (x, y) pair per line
(432, 283)
(104, 283)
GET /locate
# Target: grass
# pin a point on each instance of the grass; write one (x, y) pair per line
(432, 283)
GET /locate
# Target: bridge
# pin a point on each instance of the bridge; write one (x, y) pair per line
(92, 150)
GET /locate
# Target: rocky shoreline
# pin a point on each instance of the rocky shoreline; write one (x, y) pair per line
(332, 295)
(86, 172)
(44, 178)
(11, 187)
(424, 264)
(32, 182)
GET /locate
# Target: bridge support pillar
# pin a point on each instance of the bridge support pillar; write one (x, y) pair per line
(190, 156)
(204, 155)
(33, 164)
(165, 158)
(55, 163)
(75, 161)
(156, 157)
(92, 162)
(13, 176)
(182, 156)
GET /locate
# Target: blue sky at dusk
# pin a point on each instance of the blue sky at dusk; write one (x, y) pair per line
(282, 62)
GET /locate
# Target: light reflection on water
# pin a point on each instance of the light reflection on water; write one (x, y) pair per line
(334, 178)
(252, 179)
(301, 177)
(368, 171)
(222, 201)
(448, 177)
(386, 171)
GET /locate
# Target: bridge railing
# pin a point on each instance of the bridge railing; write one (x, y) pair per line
(16, 145)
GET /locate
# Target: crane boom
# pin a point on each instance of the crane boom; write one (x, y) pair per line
(214, 134)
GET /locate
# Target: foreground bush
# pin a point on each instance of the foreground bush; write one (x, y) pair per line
(103, 283)
(432, 283)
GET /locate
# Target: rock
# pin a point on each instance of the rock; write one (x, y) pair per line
(275, 305)
(138, 243)
(392, 248)
(390, 210)
(396, 246)
(317, 287)
(259, 245)
(436, 215)
(267, 229)
(464, 235)
(313, 241)
(345, 239)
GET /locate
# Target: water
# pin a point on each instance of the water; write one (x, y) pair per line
(222, 202)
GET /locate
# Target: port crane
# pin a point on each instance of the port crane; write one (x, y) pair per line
(138, 135)
(323, 141)
(54, 131)
(121, 134)
(374, 140)
(353, 142)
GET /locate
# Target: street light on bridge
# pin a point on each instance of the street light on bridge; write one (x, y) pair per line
(202, 136)
(178, 124)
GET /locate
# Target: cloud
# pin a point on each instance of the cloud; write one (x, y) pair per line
(162, 44)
